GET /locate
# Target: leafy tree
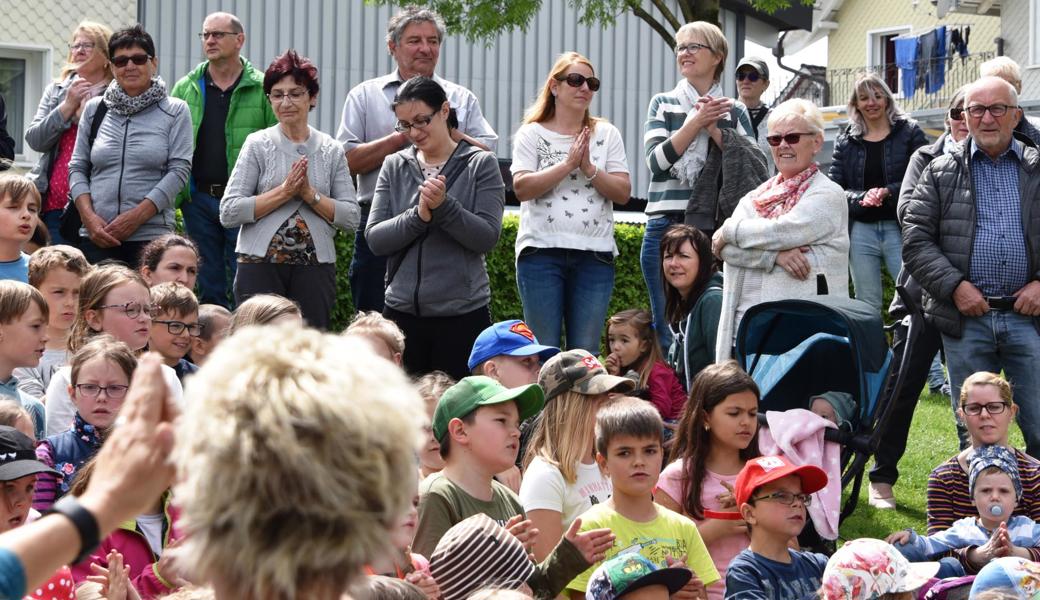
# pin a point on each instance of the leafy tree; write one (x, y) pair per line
(484, 19)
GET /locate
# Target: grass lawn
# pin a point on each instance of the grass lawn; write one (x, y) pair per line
(933, 439)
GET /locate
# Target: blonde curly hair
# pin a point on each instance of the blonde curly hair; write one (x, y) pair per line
(291, 459)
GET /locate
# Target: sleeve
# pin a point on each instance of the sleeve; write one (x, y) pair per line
(581, 580)
(525, 150)
(149, 584)
(180, 146)
(347, 213)
(173, 384)
(551, 576)
(48, 125)
(906, 189)
(542, 488)
(617, 158)
(36, 410)
(238, 206)
(917, 140)
(79, 163)
(657, 142)
(710, 313)
(697, 557)
(476, 231)
(743, 582)
(922, 255)
(12, 575)
(670, 481)
(749, 258)
(46, 491)
(30, 381)
(60, 410)
(837, 174)
(352, 123)
(938, 504)
(816, 217)
(665, 391)
(1030, 475)
(387, 233)
(6, 141)
(436, 516)
(476, 125)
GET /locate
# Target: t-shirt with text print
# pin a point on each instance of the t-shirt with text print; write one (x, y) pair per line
(544, 488)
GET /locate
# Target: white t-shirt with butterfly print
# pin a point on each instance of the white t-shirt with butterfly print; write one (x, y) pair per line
(573, 214)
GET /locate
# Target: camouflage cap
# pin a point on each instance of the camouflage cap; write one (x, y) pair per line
(579, 371)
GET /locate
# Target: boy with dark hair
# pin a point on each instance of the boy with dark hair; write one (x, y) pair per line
(175, 321)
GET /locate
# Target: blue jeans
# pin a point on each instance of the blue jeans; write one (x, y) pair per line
(217, 260)
(1001, 340)
(869, 244)
(367, 271)
(52, 221)
(558, 285)
(650, 262)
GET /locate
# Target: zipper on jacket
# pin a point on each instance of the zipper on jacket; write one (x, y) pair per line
(418, 278)
(122, 168)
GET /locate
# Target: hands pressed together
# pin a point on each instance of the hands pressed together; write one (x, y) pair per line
(431, 195)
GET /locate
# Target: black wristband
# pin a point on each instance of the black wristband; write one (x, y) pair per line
(85, 523)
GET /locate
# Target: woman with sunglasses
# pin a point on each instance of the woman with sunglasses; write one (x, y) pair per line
(788, 238)
(568, 169)
(928, 342)
(437, 210)
(288, 193)
(53, 130)
(125, 181)
(870, 158)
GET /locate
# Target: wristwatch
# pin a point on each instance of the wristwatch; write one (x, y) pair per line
(317, 199)
(84, 522)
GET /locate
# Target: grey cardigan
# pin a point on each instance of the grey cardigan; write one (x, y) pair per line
(45, 131)
(146, 155)
(438, 267)
(265, 160)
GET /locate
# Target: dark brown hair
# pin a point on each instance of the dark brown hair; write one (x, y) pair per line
(675, 306)
(153, 252)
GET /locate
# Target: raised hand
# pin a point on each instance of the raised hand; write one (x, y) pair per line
(593, 543)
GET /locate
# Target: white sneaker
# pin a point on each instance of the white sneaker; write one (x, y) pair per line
(880, 496)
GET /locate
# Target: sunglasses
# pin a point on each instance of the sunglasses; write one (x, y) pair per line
(790, 138)
(576, 79)
(751, 76)
(957, 114)
(137, 59)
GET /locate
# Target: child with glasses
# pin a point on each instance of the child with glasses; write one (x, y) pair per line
(772, 495)
(99, 377)
(175, 321)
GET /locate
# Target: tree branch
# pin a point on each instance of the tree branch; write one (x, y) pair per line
(652, 22)
(687, 10)
(667, 13)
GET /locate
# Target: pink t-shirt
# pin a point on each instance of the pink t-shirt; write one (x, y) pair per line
(722, 550)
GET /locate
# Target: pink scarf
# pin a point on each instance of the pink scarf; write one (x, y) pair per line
(778, 196)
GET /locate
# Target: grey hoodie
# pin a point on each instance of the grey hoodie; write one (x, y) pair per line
(146, 155)
(438, 267)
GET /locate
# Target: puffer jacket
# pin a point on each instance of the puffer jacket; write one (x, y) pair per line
(939, 231)
(850, 160)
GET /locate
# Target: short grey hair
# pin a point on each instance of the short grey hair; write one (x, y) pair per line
(797, 108)
(236, 24)
(865, 83)
(409, 15)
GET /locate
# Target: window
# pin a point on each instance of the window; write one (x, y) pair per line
(12, 88)
(24, 73)
(881, 54)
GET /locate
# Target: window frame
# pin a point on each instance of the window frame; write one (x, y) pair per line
(38, 69)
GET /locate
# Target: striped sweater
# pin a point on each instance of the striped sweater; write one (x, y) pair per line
(666, 114)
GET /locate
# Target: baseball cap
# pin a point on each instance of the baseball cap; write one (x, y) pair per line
(477, 553)
(472, 392)
(18, 455)
(1017, 577)
(579, 370)
(760, 471)
(865, 569)
(755, 63)
(629, 572)
(513, 338)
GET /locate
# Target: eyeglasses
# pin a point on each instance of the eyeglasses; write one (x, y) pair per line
(575, 80)
(693, 48)
(81, 46)
(294, 96)
(787, 498)
(131, 309)
(420, 122)
(957, 114)
(93, 390)
(217, 35)
(178, 327)
(790, 138)
(137, 59)
(997, 110)
(974, 409)
(751, 76)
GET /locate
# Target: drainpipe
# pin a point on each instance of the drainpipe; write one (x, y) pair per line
(778, 52)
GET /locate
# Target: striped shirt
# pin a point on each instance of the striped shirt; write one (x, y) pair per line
(999, 261)
(666, 114)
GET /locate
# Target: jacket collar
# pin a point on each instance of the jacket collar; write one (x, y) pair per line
(246, 80)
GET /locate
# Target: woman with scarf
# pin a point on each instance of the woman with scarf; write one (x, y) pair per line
(126, 181)
(788, 238)
(679, 124)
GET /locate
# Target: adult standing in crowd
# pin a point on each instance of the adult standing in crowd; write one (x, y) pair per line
(6, 141)
(436, 212)
(126, 182)
(679, 124)
(1008, 70)
(789, 237)
(568, 169)
(752, 82)
(289, 191)
(928, 342)
(870, 158)
(414, 36)
(977, 255)
(52, 133)
(226, 96)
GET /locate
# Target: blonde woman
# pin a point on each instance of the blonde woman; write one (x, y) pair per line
(52, 133)
(568, 167)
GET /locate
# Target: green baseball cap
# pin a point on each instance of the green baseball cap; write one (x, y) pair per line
(471, 393)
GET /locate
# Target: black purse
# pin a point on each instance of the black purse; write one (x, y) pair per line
(70, 221)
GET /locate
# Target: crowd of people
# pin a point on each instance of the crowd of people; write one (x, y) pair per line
(180, 405)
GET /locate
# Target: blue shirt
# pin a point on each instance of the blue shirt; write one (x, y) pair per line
(17, 269)
(999, 263)
(9, 391)
(12, 576)
(754, 577)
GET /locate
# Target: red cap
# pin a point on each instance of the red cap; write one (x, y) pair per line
(760, 471)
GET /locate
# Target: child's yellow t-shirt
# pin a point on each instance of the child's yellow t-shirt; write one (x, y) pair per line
(670, 534)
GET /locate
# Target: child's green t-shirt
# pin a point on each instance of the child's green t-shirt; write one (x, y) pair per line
(670, 534)
(442, 504)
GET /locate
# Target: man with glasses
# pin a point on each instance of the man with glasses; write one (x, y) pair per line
(413, 39)
(226, 97)
(752, 82)
(971, 238)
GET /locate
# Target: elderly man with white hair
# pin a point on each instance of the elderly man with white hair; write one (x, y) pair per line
(1008, 70)
(971, 238)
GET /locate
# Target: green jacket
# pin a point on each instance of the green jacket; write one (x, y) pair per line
(250, 111)
(694, 346)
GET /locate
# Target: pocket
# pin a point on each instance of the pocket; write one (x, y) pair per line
(528, 251)
(607, 258)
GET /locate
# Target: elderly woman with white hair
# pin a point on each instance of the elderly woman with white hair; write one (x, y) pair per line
(293, 464)
(788, 238)
(870, 157)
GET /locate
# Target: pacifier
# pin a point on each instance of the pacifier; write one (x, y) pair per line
(996, 510)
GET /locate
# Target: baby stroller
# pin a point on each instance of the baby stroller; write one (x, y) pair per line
(795, 349)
